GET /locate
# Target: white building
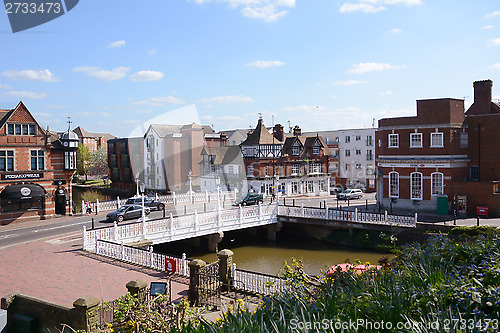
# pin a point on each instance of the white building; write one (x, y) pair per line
(357, 158)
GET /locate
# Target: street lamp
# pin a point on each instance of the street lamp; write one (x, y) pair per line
(277, 188)
(217, 181)
(190, 175)
(143, 188)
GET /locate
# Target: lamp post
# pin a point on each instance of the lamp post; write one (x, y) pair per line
(143, 187)
(190, 175)
(277, 189)
(137, 184)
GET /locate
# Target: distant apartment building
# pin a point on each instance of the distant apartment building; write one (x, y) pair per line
(223, 168)
(36, 168)
(92, 141)
(357, 158)
(442, 159)
(235, 137)
(125, 161)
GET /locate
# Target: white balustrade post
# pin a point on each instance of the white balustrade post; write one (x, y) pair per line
(260, 212)
(184, 265)
(173, 198)
(234, 271)
(97, 206)
(355, 215)
(206, 196)
(301, 210)
(234, 196)
(117, 202)
(170, 223)
(122, 251)
(240, 213)
(195, 220)
(96, 246)
(151, 256)
(84, 238)
(115, 231)
(326, 211)
(416, 216)
(385, 217)
(83, 208)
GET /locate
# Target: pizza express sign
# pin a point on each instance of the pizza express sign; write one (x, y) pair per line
(18, 176)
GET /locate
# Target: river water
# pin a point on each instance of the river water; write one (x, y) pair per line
(258, 254)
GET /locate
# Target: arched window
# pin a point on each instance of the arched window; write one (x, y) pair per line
(416, 185)
(437, 183)
(393, 184)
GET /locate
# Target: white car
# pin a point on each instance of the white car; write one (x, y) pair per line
(354, 193)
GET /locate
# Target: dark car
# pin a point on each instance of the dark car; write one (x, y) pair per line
(148, 202)
(127, 212)
(249, 199)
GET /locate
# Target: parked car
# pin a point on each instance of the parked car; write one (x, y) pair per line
(127, 212)
(149, 202)
(335, 189)
(249, 199)
(351, 193)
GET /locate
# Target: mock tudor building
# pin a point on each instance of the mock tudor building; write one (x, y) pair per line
(36, 168)
(443, 159)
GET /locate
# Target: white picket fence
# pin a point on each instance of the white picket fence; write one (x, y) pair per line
(183, 227)
(174, 198)
(348, 216)
(141, 257)
(256, 282)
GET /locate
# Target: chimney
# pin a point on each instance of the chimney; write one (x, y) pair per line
(482, 95)
(297, 131)
(278, 132)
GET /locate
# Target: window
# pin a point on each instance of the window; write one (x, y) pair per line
(393, 140)
(358, 137)
(416, 140)
(70, 160)
(358, 152)
(32, 129)
(348, 167)
(437, 140)
(393, 184)
(437, 183)
(250, 171)
(315, 168)
(37, 160)
(347, 152)
(309, 186)
(10, 129)
(295, 150)
(267, 170)
(316, 150)
(17, 129)
(474, 173)
(321, 185)
(369, 155)
(464, 140)
(358, 166)
(295, 187)
(6, 160)
(230, 169)
(416, 185)
(25, 129)
(369, 140)
(347, 139)
(295, 169)
(369, 170)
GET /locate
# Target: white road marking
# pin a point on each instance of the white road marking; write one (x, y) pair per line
(61, 226)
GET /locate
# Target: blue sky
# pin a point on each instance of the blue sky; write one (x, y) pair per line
(322, 64)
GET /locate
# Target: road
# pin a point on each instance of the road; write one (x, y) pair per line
(25, 232)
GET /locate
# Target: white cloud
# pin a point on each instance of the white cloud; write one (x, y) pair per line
(160, 101)
(207, 119)
(396, 31)
(59, 107)
(334, 96)
(117, 44)
(266, 10)
(5, 86)
(152, 52)
(487, 27)
(266, 63)
(228, 99)
(304, 108)
(143, 111)
(386, 93)
(29, 74)
(25, 94)
(374, 6)
(105, 114)
(348, 82)
(372, 67)
(496, 13)
(496, 66)
(143, 76)
(495, 41)
(101, 74)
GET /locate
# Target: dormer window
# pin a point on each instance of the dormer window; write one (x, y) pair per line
(21, 129)
(296, 148)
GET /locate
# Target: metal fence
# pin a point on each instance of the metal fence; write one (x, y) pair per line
(258, 283)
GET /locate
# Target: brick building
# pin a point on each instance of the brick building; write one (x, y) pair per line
(92, 141)
(36, 168)
(443, 159)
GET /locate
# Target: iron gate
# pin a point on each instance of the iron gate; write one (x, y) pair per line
(209, 287)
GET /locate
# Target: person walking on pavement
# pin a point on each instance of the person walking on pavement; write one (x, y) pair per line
(89, 207)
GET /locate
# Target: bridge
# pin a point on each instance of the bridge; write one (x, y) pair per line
(213, 224)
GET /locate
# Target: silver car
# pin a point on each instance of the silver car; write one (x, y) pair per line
(351, 193)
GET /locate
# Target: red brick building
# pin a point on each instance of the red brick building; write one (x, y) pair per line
(443, 159)
(36, 168)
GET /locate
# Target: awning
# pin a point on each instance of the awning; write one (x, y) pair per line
(23, 191)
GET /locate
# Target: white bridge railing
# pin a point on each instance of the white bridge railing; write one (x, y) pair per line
(183, 227)
(355, 216)
(141, 257)
(256, 282)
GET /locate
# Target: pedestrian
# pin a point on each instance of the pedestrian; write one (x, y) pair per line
(89, 207)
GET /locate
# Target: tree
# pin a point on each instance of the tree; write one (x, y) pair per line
(99, 162)
(83, 159)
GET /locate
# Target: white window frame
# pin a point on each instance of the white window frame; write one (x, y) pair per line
(316, 150)
(393, 141)
(309, 186)
(393, 184)
(6, 158)
(347, 152)
(439, 135)
(295, 150)
(416, 185)
(294, 187)
(419, 143)
(250, 170)
(314, 168)
(40, 159)
(295, 169)
(437, 183)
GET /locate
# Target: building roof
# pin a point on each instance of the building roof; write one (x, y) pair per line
(306, 142)
(260, 136)
(164, 130)
(223, 155)
(82, 133)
